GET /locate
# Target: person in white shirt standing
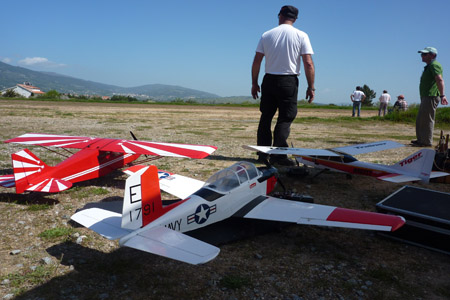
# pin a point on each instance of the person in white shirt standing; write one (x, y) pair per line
(284, 47)
(357, 97)
(384, 101)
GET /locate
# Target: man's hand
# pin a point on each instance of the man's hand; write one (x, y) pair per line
(444, 100)
(255, 90)
(255, 74)
(310, 95)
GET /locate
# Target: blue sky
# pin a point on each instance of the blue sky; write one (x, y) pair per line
(209, 45)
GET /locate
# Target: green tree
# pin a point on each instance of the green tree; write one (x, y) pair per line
(123, 98)
(10, 93)
(370, 94)
(52, 94)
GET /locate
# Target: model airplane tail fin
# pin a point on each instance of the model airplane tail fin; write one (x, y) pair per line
(142, 202)
(142, 199)
(417, 165)
(26, 166)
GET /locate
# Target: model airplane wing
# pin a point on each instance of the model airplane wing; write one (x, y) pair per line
(115, 145)
(172, 244)
(178, 185)
(292, 151)
(368, 147)
(61, 141)
(274, 209)
(160, 149)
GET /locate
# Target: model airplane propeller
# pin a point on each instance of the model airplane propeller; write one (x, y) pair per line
(237, 191)
(97, 157)
(415, 167)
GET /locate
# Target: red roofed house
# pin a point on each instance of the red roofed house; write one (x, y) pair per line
(27, 90)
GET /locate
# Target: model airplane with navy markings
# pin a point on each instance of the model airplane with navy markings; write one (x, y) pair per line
(417, 166)
(240, 190)
(96, 157)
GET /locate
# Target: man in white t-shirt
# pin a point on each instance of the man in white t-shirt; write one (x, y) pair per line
(357, 97)
(284, 48)
(384, 101)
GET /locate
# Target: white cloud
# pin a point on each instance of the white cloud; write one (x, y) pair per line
(6, 60)
(29, 61)
(39, 62)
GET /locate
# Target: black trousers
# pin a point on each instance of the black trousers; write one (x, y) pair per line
(278, 92)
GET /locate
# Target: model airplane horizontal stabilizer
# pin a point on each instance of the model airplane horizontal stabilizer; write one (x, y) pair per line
(172, 244)
(104, 222)
(7, 181)
(97, 157)
(237, 191)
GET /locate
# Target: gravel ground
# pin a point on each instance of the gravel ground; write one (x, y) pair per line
(286, 262)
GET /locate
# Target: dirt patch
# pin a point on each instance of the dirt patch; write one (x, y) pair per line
(294, 262)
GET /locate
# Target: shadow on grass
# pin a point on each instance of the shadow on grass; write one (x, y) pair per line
(27, 198)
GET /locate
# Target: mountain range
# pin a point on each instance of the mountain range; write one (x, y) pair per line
(10, 76)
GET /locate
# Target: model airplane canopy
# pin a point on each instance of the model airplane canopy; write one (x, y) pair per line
(96, 157)
(238, 191)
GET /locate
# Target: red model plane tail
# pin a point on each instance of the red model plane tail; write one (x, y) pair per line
(27, 168)
(142, 202)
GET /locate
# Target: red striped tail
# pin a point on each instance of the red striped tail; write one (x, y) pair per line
(26, 166)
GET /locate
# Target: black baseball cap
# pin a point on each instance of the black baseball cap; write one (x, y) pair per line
(289, 11)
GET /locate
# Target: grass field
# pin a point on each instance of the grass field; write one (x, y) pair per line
(43, 255)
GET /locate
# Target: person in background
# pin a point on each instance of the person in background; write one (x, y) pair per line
(384, 102)
(400, 104)
(432, 90)
(357, 97)
(284, 48)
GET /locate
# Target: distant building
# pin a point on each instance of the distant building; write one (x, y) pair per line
(26, 90)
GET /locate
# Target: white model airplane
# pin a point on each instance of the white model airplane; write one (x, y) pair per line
(415, 167)
(237, 191)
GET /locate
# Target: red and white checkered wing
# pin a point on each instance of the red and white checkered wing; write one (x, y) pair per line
(51, 140)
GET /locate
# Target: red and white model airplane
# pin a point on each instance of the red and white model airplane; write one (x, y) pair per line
(415, 167)
(237, 191)
(97, 157)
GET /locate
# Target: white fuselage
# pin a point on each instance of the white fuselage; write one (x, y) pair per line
(196, 212)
